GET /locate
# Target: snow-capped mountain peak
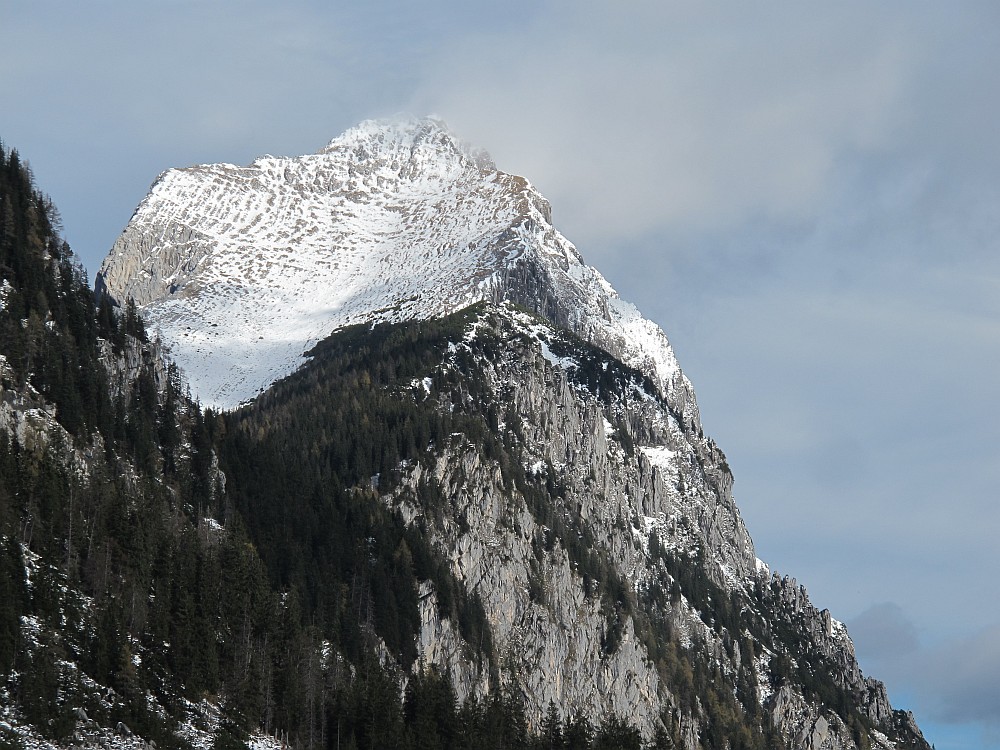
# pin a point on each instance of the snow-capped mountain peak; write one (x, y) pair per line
(426, 141)
(240, 270)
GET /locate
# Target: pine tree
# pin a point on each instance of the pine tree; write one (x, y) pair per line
(13, 596)
(578, 733)
(551, 737)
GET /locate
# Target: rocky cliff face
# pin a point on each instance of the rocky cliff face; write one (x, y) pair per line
(644, 489)
(553, 639)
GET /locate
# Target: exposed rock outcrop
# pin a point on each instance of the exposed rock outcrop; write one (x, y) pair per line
(550, 631)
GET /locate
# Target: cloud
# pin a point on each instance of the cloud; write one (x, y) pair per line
(953, 681)
(883, 632)
(968, 676)
(680, 115)
(950, 683)
(685, 125)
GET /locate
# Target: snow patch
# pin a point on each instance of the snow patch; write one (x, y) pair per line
(5, 290)
(564, 363)
(659, 455)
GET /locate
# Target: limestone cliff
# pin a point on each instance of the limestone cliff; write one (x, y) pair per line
(603, 456)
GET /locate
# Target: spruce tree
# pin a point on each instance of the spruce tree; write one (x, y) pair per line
(13, 596)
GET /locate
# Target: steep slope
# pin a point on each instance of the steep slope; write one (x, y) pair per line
(242, 269)
(105, 477)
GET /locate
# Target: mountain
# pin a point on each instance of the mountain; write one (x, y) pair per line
(458, 494)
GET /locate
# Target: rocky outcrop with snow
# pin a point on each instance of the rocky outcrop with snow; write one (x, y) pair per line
(635, 476)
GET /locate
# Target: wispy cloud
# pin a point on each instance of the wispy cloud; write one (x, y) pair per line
(677, 115)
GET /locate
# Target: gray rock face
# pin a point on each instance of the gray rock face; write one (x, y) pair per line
(123, 367)
(179, 251)
(804, 726)
(673, 486)
(30, 420)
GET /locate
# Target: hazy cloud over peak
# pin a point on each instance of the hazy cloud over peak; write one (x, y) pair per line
(680, 115)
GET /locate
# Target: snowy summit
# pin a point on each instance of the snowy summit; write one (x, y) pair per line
(241, 270)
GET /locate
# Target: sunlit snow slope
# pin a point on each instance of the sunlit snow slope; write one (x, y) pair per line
(240, 270)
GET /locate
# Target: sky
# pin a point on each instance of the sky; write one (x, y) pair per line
(805, 196)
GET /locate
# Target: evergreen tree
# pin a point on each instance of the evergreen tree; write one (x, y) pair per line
(578, 732)
(13, 597)
(551, 735)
